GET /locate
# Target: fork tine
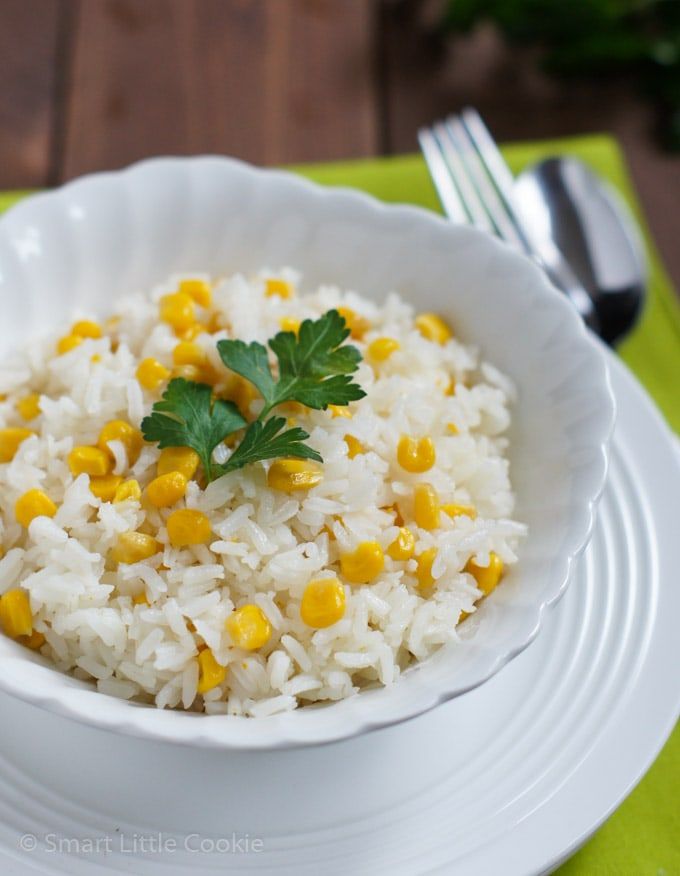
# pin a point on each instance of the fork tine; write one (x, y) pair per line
(496, 207)
(448, 194)
(452, 151)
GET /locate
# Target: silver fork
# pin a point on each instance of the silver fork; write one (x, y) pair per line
(475, 187)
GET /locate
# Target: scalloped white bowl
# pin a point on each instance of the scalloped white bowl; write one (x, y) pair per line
(97, 237)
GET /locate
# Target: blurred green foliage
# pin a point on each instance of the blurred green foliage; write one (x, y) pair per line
(640, 38)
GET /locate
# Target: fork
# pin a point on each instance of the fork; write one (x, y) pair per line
(475, 187)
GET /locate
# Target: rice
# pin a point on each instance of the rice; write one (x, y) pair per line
(266, 545)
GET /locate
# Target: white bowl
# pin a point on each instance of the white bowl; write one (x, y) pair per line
(93, 239)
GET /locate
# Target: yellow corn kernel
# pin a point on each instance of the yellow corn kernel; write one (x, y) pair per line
(105, 487)
(357, 325)
(487, 577)
(323, 603)
(140, 599)
(433, 328)
(10, 439)
(182, 459)
(178, 310)
(167, 489)
(29, 406)
(450, 387)
(404, 545)
(210, 673)
(363, 564)
(133, 547)
(424, 568)
(189, 372)
(151, 373)
(277, 286)
(33, 504)
(354, 446)
(68, 343)
(426, 506)
(454, 510)
(34, 641)
(340, 411)
(249, 627)
(15, 613)
(243, 394)
(89, 460)
(199, 290)
(289, 324)
(187, 526)
(191, 333)
(382, 348)
(189, 353)
(293, 474)
(128, 490)
(453, 429)
(415, 456)
(129, 437)
(85, 328)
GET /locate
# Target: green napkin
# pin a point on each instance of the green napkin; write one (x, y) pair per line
(640, 837)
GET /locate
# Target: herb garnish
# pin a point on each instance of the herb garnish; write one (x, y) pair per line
(314, 369)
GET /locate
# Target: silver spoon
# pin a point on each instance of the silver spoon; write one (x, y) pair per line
(565, 204)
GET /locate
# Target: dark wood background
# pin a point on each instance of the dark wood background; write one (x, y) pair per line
(92, 84)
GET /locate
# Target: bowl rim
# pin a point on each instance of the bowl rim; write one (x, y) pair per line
(72, 699)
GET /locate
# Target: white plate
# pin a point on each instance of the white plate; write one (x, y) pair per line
(510, 778)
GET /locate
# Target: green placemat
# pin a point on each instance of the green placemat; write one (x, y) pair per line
(640, 838)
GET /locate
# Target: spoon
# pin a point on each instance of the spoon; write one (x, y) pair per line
(566, 205)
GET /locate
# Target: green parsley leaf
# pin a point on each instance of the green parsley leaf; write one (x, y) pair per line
(267, 441)
(314, 369)
(187, 416)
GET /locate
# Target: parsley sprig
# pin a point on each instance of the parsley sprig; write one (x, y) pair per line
(314, 368)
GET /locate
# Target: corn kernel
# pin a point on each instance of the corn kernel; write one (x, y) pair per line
(426, 506)
(354, 446)
(68, 343)
(433, 328)
(182, 459)
(243, 394)
(199, 290)
(217, 322)
(33, 504)
(454, 510)
(167, 489)
(289, 324)
(210, 673)
(425, 562)
(293, 474)
(249, 627)
(487, 577)
(187, 526)
(404, 545)
(178, 310)
(357, 325)
(29, 406)
(15, 613)
(105, 487)
(323, 603)
(34, 641)
(129, 437)
(85, 328)
(415, 456)
(452, 428)
(89, 460)
(10, 440)
(140, 599)
(382, 348)
(340, 411)
(450, 387)
(277, 286)
(128, 490)
(133, 547)
(151, 373)
(189, 353)
(191, 333)
(363, 564)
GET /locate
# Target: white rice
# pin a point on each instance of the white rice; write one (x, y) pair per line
(267, 544)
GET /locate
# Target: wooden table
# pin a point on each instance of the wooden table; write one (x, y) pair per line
(91, 84)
